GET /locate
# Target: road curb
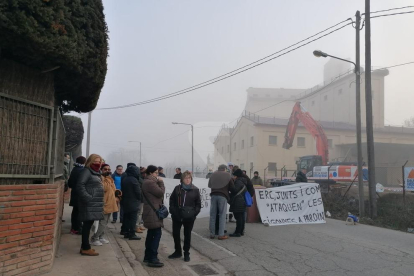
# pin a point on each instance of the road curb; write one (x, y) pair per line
(126, 257)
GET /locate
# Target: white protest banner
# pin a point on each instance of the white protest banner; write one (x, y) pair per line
(409, 178)
(299, 203)
(202, 185)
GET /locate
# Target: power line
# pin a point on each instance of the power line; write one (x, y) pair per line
(390, 14)
(393, 9)
(239, 70)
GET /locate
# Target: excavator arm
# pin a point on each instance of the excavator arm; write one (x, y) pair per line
(314, 128)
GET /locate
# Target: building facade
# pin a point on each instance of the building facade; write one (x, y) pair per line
(255, 142)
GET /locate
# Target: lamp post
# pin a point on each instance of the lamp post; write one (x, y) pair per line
(192, 143)
(140, 164)
(319, 53)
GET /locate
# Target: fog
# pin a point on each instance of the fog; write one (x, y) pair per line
(159, 47)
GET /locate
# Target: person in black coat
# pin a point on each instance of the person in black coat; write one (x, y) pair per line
(301, 176)
(131, 200)
(185, 205)
(91, 200)
(177, 173)
(73, 181)
(238, 203)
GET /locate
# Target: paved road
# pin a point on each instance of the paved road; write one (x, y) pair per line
(333, 248)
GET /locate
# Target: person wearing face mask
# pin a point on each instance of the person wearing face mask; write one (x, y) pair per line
(185, 205)
(91, 200)
(110, 205)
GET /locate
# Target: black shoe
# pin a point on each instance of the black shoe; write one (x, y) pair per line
(134, 238)
(123, 233)
(242, 233)
(235, 235)
(186, 257)
(175, 255)
(146, 260)
(114, 221)
(156, 263)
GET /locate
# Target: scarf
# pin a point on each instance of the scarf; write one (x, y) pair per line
(186, 187)
(95, 167)
(219, 179)
(78, 165)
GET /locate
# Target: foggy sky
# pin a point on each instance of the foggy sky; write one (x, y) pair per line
(159, 47)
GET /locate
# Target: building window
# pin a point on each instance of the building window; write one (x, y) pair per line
(242, 145)
(235, 146)
(228, 148)
(330, 143)
(325, 98)
(252, 141)
(313, 103)
(272, 140)
(301, 142)
(251, 166)
(241, 166)
(340, 92)
(271, 167)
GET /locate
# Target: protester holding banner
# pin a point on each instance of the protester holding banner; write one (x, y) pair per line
(238, 203)
(220, 182)
(153, 190)
(185, 205)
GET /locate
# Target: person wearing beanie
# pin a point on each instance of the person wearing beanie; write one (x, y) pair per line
(257, 180)
(73, 179)
(238, 203)
(161, 172)
(110, 205)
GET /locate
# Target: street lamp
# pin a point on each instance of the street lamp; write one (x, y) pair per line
(319, 53)
(192, 143)
(140, 164)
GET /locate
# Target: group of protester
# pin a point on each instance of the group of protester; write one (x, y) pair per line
(138, 194)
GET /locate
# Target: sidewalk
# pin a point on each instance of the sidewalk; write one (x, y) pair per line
(124, 257)
(110, 262)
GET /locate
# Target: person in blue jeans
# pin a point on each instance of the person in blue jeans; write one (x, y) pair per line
(153, 191)
(117, 179)
(220, 183)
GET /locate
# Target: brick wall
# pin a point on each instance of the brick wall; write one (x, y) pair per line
(30, 222)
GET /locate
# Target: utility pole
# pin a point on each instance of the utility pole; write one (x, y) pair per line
(88, 133)
(368, 103)
(358, 115)
(192, 149)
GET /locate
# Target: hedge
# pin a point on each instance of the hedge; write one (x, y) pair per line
(69, 36)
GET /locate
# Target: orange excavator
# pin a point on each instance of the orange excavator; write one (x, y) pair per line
(299, 114)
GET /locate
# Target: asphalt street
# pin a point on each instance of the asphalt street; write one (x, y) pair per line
(333, 248)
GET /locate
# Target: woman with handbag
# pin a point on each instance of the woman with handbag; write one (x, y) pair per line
(238, 202)
(153, 190)
(185, 205)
